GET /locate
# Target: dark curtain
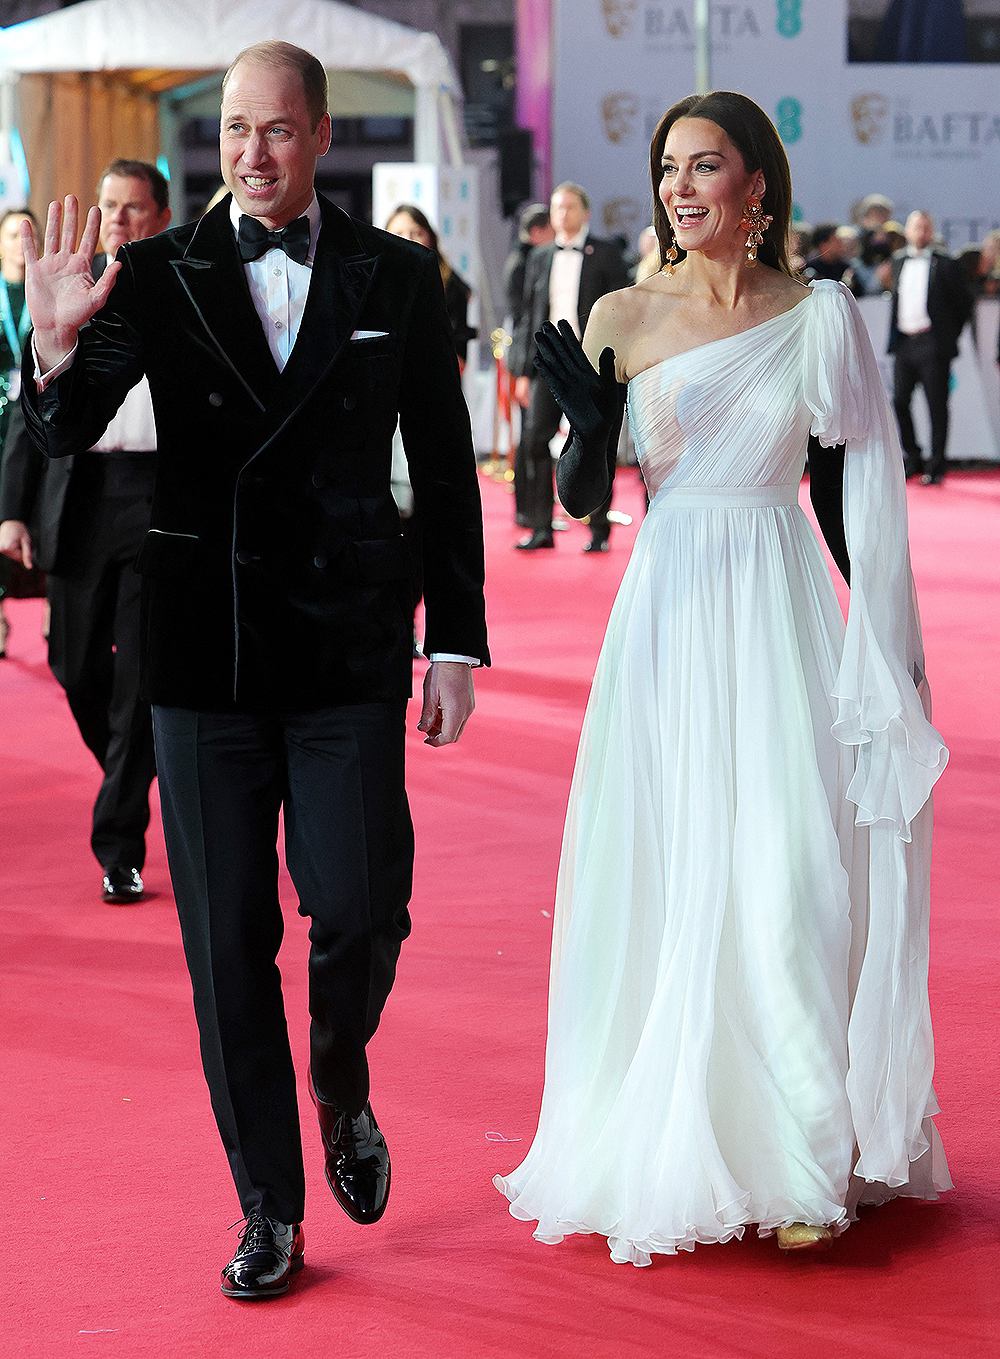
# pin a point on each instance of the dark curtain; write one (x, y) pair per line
(922, 30)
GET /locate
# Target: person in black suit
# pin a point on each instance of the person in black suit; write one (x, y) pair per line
(931, 302)
(534, 229)
(562, 281)
(90, 515)
(282, 340)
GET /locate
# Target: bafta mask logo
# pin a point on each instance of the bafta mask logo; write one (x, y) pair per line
(621, 216)
(868, 114)
(618, 15)
(620, 113)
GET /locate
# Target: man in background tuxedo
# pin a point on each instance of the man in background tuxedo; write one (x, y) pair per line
(931, 302)
(534, 229)
(562, 281)
(89, 515)
(282, 340)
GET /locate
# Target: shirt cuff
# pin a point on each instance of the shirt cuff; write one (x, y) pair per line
(447, 656)
(43, 380)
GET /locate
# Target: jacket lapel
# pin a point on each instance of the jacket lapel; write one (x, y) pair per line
(341, 277)
(212, 275)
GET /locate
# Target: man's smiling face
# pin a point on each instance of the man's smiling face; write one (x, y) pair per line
(267, 143)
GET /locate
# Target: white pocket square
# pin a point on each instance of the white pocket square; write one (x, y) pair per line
(369, 335)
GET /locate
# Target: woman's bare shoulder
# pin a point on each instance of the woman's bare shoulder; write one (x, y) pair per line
(612, 319)
(788, 290)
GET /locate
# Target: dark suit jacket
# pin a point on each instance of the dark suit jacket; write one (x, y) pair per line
(274, 573)
(603, 271)
(949, 302)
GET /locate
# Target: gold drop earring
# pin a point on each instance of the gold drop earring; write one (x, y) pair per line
(755, 222)
(669, 257)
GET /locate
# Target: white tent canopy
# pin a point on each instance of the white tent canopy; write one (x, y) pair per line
(205, 35)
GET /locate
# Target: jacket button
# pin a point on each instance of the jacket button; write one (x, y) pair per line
(215, 398)
(350, 402)
(243, 558)
(319, 479)
(319, 561)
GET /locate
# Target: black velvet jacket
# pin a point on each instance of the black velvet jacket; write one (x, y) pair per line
(274, 574)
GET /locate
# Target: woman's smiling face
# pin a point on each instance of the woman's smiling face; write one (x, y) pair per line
(705, 186)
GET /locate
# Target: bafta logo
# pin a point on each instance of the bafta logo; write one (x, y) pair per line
(619, 112)
(621, 216)
(868, 114)
(618, 15)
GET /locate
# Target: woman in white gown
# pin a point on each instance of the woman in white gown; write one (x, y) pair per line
(739, 1028)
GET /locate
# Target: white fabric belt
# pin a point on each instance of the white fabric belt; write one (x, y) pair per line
(725, 497)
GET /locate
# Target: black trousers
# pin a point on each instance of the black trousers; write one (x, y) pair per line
(533, 466)
(94, 644)
(917, 362)
(338, 776)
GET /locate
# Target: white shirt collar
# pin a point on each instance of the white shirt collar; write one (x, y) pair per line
(914, 254)
(312, 212)
(579, 240)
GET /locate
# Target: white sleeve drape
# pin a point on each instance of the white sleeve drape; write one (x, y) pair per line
(883, 712)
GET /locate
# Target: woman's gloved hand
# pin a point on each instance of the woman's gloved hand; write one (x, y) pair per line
(589, 399)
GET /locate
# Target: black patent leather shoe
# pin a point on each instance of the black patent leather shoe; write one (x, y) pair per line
(932, 479)
(269, 1254)
(122, 886)
(540, 538)
(357, 1160)
(596, 545)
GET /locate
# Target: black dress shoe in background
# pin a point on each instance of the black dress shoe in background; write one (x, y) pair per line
(597, 545)
(912, 467)
(269, 1254)
(932, 479)
(540, 538)
(122, 886)
(357, 1160)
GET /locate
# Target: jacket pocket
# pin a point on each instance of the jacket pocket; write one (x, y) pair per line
(380, 560)
(165, 555)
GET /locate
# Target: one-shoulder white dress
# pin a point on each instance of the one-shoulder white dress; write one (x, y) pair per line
(739, 1029)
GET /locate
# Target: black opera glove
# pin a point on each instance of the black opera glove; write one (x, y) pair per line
(589, 399)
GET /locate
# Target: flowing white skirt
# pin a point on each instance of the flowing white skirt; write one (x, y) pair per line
(711, 907)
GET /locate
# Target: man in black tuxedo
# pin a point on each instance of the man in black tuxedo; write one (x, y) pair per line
(282, 341)
(931, 302)
(88, 518)
(562, 281)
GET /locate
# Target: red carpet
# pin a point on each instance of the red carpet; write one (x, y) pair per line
(117, 1191)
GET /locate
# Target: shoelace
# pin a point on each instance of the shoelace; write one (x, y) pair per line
(259, 1233)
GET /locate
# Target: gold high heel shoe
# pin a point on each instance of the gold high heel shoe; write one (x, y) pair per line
(802, 1236)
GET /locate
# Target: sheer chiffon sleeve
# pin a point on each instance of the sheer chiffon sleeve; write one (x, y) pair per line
(883, 711)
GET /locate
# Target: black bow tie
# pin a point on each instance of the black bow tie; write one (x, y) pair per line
(255, 239)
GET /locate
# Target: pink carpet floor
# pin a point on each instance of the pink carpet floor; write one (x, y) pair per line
(117, 1192)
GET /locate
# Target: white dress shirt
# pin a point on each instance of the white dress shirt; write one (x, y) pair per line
(564, 282)
(911, 300)
(279, 286)
(132, 425)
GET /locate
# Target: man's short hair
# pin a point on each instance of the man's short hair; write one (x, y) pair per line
(140, 169)
(534, 215)
(569, 187)
(285, 56)
(823, 231)
(864, 206)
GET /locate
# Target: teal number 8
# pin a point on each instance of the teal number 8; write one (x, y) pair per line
(789, 20)
(789, 113)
